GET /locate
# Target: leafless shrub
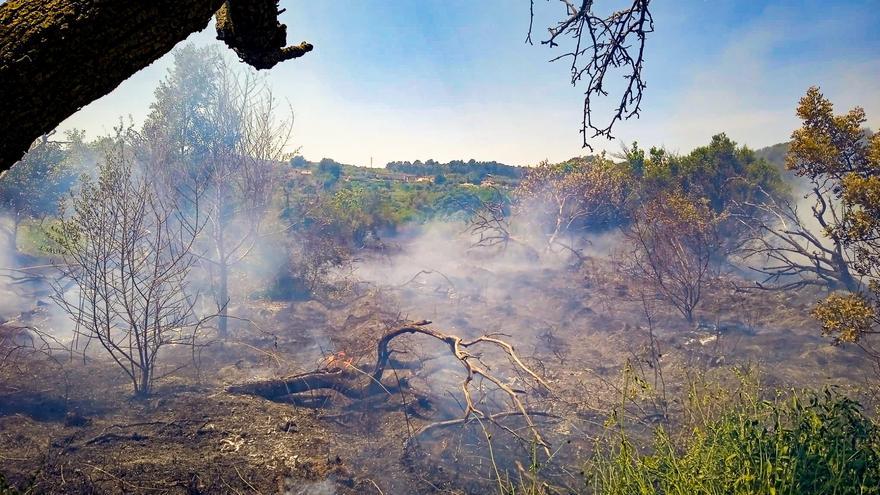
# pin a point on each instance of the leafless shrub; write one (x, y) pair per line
(128, 255)
(490, 226)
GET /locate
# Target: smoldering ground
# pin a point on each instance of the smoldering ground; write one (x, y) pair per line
(576, 322)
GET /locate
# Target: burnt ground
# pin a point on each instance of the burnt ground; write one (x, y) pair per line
(68, 426)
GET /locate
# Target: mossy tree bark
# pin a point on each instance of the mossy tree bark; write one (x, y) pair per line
(56, 56)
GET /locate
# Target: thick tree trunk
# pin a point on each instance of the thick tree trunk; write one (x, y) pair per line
(845, 276)
(56, 56)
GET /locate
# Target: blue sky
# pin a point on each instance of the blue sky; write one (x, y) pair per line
(448, 79)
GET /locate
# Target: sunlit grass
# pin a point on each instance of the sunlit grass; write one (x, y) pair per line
(807, 443)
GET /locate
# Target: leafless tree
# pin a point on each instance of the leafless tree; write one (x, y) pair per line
(603, 44)
(347, 378)
(230, 181)
(129, 256)
(790, 253)
(488, 221)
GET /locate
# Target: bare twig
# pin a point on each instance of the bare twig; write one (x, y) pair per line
(603, 45)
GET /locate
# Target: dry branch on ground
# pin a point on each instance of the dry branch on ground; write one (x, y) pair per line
(356, 383)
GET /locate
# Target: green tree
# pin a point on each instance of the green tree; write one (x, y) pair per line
(727, 175)
(842, 163)
(32, 189)
(298, 161)
(733, 180)
(329, 171)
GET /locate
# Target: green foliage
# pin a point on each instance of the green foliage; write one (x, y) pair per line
(474, 169)
(298, 161)
(727, 174)
(361, 211)
(181, 111)
(33, 187)
(367, 203)
(34, 239)
(806, 443)
(329, 171)
(732, 180)
(635, 156)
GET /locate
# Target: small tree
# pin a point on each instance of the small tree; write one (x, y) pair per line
(128, 256)
(832, 153)
(215, 145)
(674, 239)
(842, 163)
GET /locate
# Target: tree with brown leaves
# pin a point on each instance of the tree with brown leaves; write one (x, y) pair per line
(573, 197)
(841, 161)
(674, 239)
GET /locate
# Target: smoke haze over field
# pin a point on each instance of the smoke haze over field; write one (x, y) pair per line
(248, 320)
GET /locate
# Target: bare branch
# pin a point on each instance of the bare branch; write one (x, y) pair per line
(603, 45)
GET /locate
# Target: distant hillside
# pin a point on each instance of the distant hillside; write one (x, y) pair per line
(775, 154)
(472, 168)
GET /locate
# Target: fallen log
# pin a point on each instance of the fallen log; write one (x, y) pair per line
(356, 383)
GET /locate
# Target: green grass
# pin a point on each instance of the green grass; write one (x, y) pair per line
(807, 443)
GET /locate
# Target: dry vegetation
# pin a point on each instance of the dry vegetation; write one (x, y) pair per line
(335, 425)
(237, 325)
